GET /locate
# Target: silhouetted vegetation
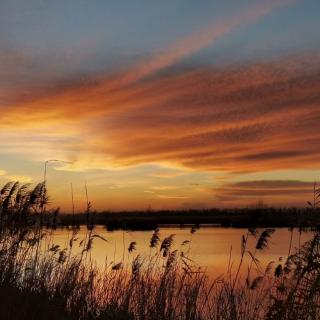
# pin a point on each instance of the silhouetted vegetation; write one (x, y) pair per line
(237, 218)
(40, 281)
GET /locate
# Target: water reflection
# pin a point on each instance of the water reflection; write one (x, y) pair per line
(213, 248)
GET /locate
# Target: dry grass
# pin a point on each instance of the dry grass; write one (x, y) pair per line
(58, 284)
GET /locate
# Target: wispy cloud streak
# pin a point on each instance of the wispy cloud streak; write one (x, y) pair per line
(199, 40)
(290, 192)
(260, 116)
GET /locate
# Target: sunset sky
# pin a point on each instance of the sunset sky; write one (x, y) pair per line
(169, 104)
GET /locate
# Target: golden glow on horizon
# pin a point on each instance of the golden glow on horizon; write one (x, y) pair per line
(256, 118)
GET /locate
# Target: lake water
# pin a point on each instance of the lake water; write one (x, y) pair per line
(210, 247)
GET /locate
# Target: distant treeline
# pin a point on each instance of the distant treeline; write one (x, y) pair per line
(245, 217)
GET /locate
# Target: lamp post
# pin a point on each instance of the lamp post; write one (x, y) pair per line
(45, 182)
(72, 202)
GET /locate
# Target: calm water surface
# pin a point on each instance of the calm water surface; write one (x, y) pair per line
(210, 247)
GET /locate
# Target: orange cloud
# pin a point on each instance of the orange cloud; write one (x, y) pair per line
(255, 117)
(165, 175)
(292, 192)
(15, 85)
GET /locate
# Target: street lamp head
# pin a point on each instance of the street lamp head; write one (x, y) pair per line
(57, 160)
(52, 160)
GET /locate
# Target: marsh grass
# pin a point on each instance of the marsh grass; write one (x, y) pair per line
(40, 281)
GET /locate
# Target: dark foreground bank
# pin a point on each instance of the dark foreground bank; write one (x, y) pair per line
(40, 281)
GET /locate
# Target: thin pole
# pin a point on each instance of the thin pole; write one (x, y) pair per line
(43, 191)
(85, 185)
(43, 205)
(72, 199)
(88, 204)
